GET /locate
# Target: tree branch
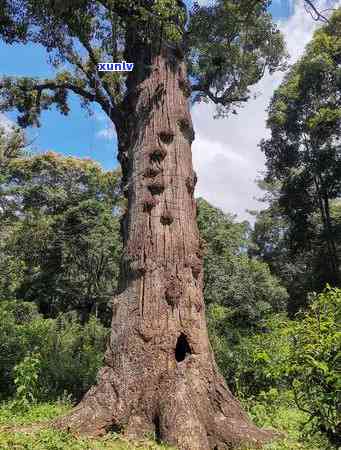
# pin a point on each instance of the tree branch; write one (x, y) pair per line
(311, 8)
(223, 99)
(92, 80)
(67, 85)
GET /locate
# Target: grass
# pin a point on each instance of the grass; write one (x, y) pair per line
(281, 414)
(282, 417)
(13, 422)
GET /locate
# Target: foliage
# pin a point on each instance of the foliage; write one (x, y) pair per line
(36, 412)
(12, 144)
(279, 412)
(315, 363)
(223, 38)
(26, 380)
(303, 154)
(300, 272)
(69, 354)
(282, 415)
(247, 43)
(40, 437)
(288, 362)
(253, 362)
(61, 244)
(231, 278)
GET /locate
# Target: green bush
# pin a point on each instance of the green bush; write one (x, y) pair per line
(255, 361)
(315, 364)
(291, 364)
(26, 380)
(69, 354)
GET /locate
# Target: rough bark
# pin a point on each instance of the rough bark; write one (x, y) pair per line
(160, 375)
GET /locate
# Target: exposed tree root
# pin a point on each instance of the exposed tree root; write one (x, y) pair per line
(189, 410)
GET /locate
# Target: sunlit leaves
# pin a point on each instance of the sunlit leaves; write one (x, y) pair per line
(228, 47)
(231, 46)
(315, 362)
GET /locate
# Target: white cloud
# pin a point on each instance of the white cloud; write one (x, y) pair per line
(5, 123)
(107, 131)
(205, 2)
(226, 156)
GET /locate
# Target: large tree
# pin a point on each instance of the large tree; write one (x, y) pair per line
(159, 375)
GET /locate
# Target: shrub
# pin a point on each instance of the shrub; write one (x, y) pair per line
(315, 363)
(253, 362)
(69, 354)
(26, 380)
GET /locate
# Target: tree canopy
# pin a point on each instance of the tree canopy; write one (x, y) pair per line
(227, 47)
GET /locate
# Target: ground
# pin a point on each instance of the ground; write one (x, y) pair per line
(18, 433)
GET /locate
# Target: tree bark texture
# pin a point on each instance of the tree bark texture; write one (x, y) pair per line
(160, 375)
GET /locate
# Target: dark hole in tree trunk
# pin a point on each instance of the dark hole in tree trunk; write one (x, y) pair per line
(156, 422)
(116, 429)
(182, 348)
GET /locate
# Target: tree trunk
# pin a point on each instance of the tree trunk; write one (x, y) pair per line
(160, 375)
(330, 237)
(323, 202)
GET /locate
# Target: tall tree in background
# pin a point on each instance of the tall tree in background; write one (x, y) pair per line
(232, 279)
(274, 242)
(160, 375)
(304, 153)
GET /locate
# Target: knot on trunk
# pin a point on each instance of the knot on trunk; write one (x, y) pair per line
(166, 218)
(156, 186)
(166, 136)
(151, 172)
(185, 87)
(186, 128)
(149, 202)
(191, 183)
(157, 155)
(134, 266)
(195, 263)
(146, 333)
(173, 292)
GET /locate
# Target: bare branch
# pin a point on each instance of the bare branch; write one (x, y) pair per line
(314, 12)
(223, 99)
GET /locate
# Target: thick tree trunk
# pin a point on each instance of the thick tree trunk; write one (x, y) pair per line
(160, 375)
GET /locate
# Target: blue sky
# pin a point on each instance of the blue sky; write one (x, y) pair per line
(226, 156)
(76, 134)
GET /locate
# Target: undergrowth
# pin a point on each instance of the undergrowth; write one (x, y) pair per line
(15, 432)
